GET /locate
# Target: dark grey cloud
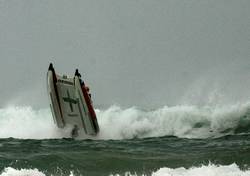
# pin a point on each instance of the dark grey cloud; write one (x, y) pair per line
(145, 53)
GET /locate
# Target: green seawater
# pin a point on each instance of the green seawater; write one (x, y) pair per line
(106, 157)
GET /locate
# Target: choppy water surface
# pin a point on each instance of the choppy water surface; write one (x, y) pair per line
(170, 141)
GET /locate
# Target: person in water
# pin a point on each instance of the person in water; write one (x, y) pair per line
(75, 131)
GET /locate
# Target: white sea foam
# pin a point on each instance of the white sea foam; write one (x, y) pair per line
(210, 170)
(180, 121)
(117, 123)
(27, 123)
(9, 171)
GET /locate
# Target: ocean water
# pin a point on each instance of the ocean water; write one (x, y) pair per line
(180, 140)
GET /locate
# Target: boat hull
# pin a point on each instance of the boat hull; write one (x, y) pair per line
(70, 103)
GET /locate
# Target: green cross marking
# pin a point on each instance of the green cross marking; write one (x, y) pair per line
(70, 100)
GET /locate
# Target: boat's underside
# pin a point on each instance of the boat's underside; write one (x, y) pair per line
(70, 103)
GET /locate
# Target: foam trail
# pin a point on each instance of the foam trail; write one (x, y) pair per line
(210, 170)
(117, 123)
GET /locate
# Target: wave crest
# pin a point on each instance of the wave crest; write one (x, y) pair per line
(117, 123)
(180, 121)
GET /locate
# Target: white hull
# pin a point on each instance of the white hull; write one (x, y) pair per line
(70, 103)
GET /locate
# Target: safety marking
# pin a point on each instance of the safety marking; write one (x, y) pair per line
(70, 101)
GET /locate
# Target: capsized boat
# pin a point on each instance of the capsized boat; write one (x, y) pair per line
(70, 103)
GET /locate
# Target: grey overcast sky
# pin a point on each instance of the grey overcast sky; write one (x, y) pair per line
(131, 52)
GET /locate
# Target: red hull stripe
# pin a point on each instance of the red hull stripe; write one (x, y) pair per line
(88, 102)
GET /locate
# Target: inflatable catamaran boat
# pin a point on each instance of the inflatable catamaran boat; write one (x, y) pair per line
(71, 103)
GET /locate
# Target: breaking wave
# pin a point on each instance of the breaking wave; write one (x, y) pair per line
(180, 121)
(210, 170)
(117, 123)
